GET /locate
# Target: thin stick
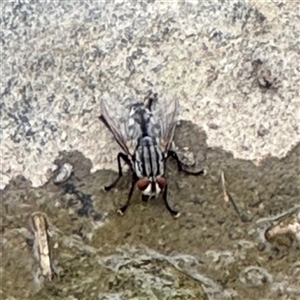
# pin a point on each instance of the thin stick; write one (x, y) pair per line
(279, 218)
(227, 195)
(42, 249)
(226, 198)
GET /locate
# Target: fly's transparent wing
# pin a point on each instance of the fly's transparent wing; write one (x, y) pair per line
(165, 114)
(116, 118)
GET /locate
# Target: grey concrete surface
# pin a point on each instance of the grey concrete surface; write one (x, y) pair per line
(233, 65)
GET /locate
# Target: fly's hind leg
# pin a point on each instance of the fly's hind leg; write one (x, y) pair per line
(174, 213)
(122, 210)
(180, 165)
(114, 183)
(150, 99)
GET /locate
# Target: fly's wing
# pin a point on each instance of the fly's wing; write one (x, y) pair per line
(116, 118)
(165, 114)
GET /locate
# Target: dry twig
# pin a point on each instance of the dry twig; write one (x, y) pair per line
(227, 195)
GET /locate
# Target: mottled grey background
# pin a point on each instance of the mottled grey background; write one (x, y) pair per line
(58, 58)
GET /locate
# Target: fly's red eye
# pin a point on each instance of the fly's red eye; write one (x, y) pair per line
(161, 182)
(143, 183)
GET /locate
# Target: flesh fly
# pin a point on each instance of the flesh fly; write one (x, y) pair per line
(42, 250)
(144, 132)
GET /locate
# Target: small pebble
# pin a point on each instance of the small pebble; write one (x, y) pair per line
(64, 173)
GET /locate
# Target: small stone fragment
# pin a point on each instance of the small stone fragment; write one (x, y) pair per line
(64, 173)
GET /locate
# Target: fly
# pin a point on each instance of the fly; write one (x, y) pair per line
(144, 132)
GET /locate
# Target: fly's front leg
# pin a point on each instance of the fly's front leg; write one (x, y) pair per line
(180, 164)
(151, 98)
(122, 210)
(127, 161)
(174, 213)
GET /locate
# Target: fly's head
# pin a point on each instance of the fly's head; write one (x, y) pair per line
(151, 187)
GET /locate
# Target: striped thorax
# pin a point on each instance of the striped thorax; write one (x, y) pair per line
(149, 165)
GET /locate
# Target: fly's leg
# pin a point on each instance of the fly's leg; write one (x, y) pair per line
(174, 213)
(122, 210)
(151, 98)
(114, 183)
(180, 164)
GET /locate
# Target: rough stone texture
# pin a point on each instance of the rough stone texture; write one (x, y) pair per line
(234, 66)
(216, 249)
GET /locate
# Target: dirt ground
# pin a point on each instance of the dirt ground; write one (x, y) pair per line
(213, 251)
